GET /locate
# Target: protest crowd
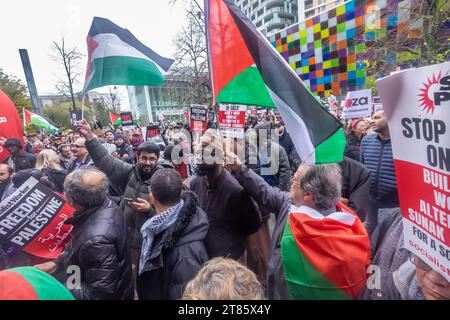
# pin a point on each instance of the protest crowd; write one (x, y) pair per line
(291, 198)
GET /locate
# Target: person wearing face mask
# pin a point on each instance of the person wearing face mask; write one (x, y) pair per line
(232, 214)
(131, 180)
(354, 137)
(284, 139)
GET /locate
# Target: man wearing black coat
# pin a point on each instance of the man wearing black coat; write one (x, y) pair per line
(18, 160)
(99, 242)
(173, 248)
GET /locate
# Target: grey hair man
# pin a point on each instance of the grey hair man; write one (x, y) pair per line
(99, 240)
(315, 192)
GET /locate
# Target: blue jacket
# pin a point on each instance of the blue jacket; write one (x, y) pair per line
(376, 155)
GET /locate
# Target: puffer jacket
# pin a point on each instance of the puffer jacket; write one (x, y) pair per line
(99, 247)
(127, 180)
(376, 155)
(183, 254)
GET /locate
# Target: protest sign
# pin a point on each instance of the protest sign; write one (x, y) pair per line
(417, 105)
(332, 102)
(198, 118)
(127, 120)
(152, 131)
(357, 104)
(232, 120)
(32, 219)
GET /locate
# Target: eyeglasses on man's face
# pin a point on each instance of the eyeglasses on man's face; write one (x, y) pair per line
(77, 146)
(145, 159)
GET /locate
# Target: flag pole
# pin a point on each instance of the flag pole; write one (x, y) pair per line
(82, 107)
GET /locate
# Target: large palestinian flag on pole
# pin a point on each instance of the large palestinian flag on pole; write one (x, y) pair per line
(35, 119)
(116, 57)
(324, 257)
(246, 69)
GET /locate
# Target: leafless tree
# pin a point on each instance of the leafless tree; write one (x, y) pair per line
(69, 58)
(191, 58)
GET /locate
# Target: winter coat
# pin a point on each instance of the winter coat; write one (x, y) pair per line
(99, 247)
(353, 146)
(376, 155)
(56, 177)
(232, 215)
(396, 274)
(281, 168)
(286, 142)
(128, 182)
(183, 254)
(355, 186)
(21, 161)
(86, 163)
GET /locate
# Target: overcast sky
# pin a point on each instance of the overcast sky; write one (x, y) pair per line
(34, 24)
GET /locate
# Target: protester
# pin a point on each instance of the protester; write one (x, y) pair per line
(170, 131)
(108, 142)
(356, 133)
(376, 155)
(6, 173)
(224, 279)
(132, 180)
(402, 275)
(232, 214)
(65, 156)
(284, 139)
(314, 194)
(18, 159)
(81, 156)
(48, 163)
(32, 138)
(124, 150)
(99, 241)
(173, 248)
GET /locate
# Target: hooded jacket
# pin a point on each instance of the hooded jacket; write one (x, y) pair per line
(99, 247)
(183, 254)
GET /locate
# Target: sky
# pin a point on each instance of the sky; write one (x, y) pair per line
(34, 24)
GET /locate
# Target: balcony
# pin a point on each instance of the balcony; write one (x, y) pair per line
(273, 3)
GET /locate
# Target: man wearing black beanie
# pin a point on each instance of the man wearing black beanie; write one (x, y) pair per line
(18, 160)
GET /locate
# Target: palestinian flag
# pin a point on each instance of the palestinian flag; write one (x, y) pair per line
(28, 283)
(324, 258)
(246, 69)
(35, 119)
(116, 57)
(115, 119)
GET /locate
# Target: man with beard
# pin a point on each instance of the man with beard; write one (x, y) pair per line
(5, 178)
(232, 214)
(130, 180)
(18, 160)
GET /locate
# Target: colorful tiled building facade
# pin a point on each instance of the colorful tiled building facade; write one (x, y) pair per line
(330, 51)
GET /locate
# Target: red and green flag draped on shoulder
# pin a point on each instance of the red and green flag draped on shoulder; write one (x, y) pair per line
(327, 257)
(29, 283)
(246, 69)
(117, 57)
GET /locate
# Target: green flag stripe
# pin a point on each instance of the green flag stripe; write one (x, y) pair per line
(45, 286)
(246, 88)
(303, 280)
(122, 70)
(332, 149)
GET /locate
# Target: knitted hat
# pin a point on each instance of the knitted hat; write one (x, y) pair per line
(13, 142)
(29, 283)
(118, 135)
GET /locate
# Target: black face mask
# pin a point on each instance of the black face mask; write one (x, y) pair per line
(204, 169)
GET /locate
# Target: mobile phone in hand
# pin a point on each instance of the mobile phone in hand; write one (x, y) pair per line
(129, 199)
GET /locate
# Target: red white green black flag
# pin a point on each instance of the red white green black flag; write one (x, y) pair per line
(246, 69)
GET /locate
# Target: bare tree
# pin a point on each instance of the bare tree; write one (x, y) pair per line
(69, 58)
(114, 99)
(191, 58)
(426, 44)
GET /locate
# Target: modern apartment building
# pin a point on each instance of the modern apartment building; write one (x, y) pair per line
(270, 16)
(310, 8)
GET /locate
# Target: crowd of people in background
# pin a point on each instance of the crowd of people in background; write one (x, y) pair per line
(152, 221)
